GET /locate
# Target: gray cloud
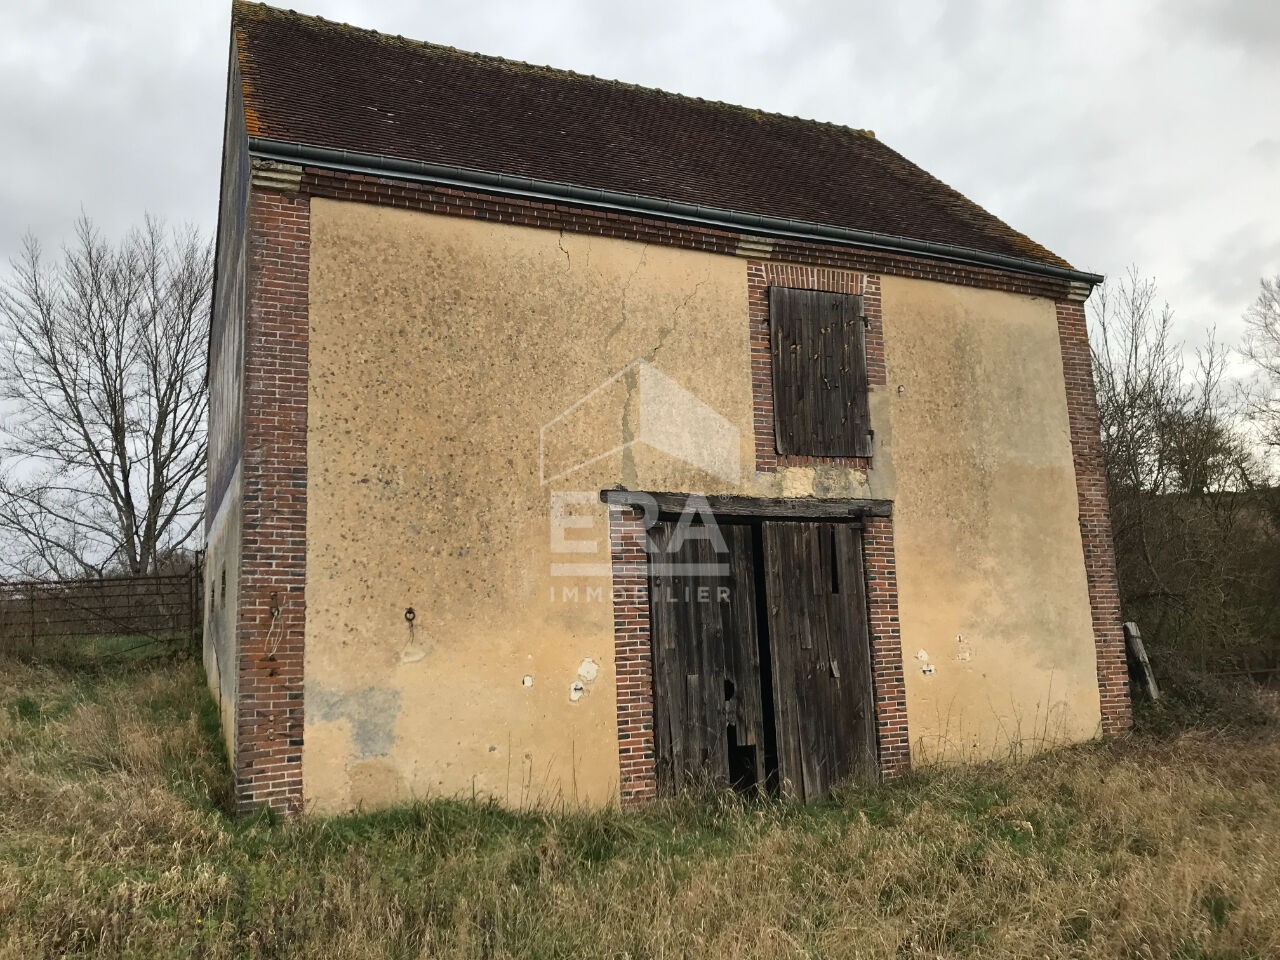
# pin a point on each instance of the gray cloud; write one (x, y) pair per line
(1252, 26)
(1114, 134)
(112, 107)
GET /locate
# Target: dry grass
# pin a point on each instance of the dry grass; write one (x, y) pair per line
(111, 845)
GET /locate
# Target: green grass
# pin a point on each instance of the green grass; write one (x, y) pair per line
(113, 842)
(95, 651)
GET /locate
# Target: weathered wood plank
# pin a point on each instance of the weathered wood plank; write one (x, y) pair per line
(785, 621)
(863, 434)
(743, 698)
(1142, 678)
(820, 655)
(705, 656)
(853, 663)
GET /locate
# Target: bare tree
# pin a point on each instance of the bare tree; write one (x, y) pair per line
(102, 370)
(1139, 376)
(1187, 493)
(1262, 346)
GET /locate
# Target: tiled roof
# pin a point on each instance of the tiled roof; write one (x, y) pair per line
(309, 81)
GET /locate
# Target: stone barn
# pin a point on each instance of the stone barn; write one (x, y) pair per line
(572, 441)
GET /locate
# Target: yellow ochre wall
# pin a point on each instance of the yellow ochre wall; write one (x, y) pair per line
(469, 379)
(997, 635)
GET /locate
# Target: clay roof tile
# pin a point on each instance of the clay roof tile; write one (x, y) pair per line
(309, 81)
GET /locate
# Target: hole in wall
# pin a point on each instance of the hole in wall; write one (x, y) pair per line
(742, 761)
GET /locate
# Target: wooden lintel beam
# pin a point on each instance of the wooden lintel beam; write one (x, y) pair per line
(763, 507)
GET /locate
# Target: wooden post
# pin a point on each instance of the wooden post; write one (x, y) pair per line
(193, 598)
(1141, 676)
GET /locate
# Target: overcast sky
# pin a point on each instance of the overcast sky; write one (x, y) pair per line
(1114, 133)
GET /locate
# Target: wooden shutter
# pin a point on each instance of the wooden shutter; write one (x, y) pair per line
(819, 373)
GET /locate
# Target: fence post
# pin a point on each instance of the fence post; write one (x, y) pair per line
(191, 604)
(197, 598)
(1141, 678)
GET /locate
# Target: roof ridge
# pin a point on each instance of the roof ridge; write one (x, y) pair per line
(378, 35)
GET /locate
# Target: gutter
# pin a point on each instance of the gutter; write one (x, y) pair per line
(454, 176)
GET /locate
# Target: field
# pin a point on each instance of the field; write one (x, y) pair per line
(113, 843)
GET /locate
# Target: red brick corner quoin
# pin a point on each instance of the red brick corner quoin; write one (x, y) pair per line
(888, 684)
(1095, 518)
(633, 653)
(272, 609)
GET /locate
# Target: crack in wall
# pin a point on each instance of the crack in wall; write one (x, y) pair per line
(563, 249)
(687, 300)
(630, 473)
(666, 331)
(626, 287)
(663, 334)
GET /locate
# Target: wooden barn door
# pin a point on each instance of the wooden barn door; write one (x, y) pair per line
(821, 659)
(708, 712)
(761, 665)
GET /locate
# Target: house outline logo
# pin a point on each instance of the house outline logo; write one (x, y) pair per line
(670, 418)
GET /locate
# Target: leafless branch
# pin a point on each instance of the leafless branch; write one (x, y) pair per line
(102, 353)
(1189, 497)
(1262, 348)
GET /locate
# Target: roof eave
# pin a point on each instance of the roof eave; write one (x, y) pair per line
(766, 226)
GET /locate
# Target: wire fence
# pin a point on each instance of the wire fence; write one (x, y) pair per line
(115, 613)
(1257, 662)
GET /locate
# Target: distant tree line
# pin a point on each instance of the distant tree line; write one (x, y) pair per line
(1191, 445)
